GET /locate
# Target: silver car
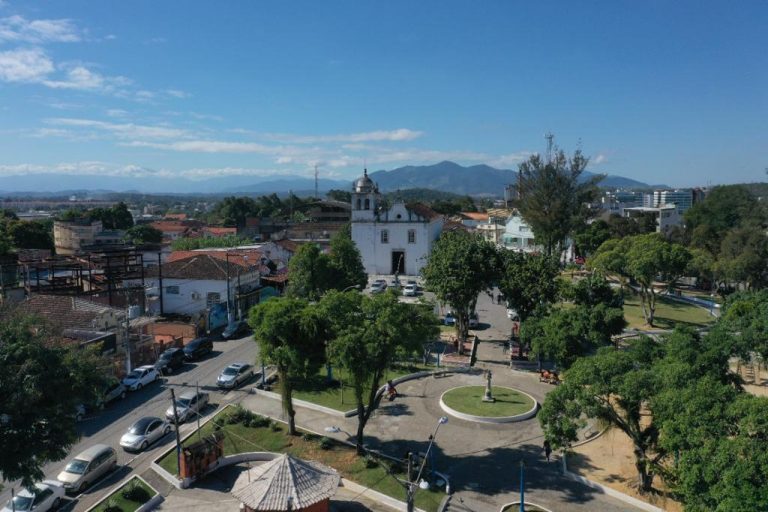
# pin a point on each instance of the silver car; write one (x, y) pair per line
(46, 496)
(143, 433)
(188, 405)
(140, 377)
(87, 467)
(234, 375)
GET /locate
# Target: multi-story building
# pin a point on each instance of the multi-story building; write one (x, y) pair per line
(666, 215)
(69, 237)
(682, 199)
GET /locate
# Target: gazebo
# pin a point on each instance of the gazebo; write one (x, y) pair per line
(285, 484)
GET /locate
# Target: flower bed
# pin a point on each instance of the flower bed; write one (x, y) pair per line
(127, 498)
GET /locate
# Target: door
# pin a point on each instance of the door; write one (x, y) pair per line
(398, 262)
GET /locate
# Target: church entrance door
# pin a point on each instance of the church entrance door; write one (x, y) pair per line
(398, 262)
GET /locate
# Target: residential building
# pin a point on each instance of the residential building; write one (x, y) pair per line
(471, 219)
(682, 199)
(616, 201)
(393, 241)
(666, 215)
(518, 236)
(70, 236)
(330, 211)
(217, 231)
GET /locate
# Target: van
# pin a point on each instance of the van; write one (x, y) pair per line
(87, 468)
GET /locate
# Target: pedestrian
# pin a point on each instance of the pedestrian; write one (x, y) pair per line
(547, 449)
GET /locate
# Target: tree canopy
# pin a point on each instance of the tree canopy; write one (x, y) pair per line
(528, 282)
(346, 262)
(553, 196)
(143, 234)
(460, 266)
(43, 382)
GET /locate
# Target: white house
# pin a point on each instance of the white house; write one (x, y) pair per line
(197, 283)
(518, 235)
(397, 240)
(667, 215)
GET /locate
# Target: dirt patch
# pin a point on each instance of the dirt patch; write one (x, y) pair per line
(609, 461)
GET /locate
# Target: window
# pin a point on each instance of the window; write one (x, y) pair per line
(172, 290)
(212, 299)
(367, 204)
(411, 236)
(384, 236)
(358, 203)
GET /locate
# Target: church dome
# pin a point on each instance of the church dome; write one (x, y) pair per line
(364, 184)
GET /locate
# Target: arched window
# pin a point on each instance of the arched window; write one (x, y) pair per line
(384, 236)
(358, 203)
(367, 204)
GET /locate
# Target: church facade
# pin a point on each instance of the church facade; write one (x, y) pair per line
(396, 240)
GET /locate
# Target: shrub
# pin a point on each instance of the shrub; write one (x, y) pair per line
(371, 462)
(112, 506)
(238, 415)
(275, 426)
(326, 443)
(135, 492)
(308, 436)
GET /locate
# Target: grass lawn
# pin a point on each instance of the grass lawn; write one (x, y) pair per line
(668, 314)
(117, 498)
(469, 400)
(239, 438)
(318, 391)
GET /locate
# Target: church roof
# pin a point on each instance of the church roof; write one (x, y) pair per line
(423, 210)
(286, 483)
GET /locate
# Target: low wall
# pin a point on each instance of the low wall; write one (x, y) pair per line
(153, 502)
(491, 419)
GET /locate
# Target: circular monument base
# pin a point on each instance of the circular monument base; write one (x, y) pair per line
(466, 403)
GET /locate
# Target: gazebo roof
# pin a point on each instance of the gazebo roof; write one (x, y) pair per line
(286, 483)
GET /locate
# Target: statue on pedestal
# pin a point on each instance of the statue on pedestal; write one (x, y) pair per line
(488, 397)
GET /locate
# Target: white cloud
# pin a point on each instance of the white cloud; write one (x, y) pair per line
(82, 78)
(509, 160)
(116, 112)
(206, 146)
(401, 134)
(86, 167)
(122, 130)
(176, 93)
(25, 65)
(599, 159)
(19, 29)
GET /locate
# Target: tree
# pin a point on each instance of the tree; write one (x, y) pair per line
(746, 314)
(643, 259)
(310, 273)
(367, 333)
(144, 234)
(43, 382)
(234, 210)
(614, 386)
(346, 262)
(119, 217)
(591, 236)
(528, 282)
(30, 235)
(460, 266)
(344, 196)
(288, 332)
(743, 257)
(553, 195)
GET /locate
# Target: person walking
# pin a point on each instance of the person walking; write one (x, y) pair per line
(547, 449)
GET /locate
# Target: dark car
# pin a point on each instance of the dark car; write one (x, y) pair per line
(197, 348)
(235, 330)
(170, 360)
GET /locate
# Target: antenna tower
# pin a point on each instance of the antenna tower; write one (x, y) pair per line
(317, 195)
(550, 144)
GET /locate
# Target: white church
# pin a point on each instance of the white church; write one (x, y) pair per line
(393, 241)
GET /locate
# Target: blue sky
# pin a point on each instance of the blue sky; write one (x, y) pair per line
(660, 91)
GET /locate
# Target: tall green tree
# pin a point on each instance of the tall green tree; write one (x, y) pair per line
(367, 333)
(528, 282)
(310, 273)
(143, 234)
(644, 259)
(346, 262)
(553, 195)
(289, 334)
(746, 315)
(30, 235)
(42, 384)
(460, 266)
(743, 257)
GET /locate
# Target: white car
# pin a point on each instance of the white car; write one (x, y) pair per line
(410, 290)
(378, 286)
(234, 375)
(512, 314)
(188, 405)
(48, 496)
(143, 433)
(140, 377)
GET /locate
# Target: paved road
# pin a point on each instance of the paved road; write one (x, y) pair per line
(109, 425)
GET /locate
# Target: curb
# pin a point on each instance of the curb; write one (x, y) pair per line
(513, 503)
(153, 502)
(490, 419)
(381, 498)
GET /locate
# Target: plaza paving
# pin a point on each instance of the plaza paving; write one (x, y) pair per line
(481, 460)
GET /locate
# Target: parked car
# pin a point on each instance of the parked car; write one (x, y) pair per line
(115, 389)
(46, 495)
(410, 290)
(187, 405)
(414, 283)
(512, 315)
(473, 320)
(87, 467)
(234, 375)
(143, 433)
(140, 377)
(197, 348)
(236, 329)
(170, 360)
(450, 319)
(394, 284)
(378, 286)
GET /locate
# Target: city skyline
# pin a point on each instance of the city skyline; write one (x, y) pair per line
(657, 92)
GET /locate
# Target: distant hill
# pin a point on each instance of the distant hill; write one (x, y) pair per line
(475, 180)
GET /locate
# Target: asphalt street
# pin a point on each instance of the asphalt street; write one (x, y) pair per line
(108, 425)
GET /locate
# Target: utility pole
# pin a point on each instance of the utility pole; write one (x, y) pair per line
(522, 486)
(317, 195)
(550, 145)
(197, 393)
(128, 363)
(176, 428)
(160, 278)
(410, 491)
(229, 315)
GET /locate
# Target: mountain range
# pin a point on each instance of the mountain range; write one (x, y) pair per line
(481, 180)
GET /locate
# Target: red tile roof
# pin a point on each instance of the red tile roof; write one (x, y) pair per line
(175, 216)
(219, 231)
(423, 210)
(202, 266)
(61, 311)
(475, 216)
(244, 257)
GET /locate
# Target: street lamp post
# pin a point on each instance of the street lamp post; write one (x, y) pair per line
(522, 486)
(410, 485)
